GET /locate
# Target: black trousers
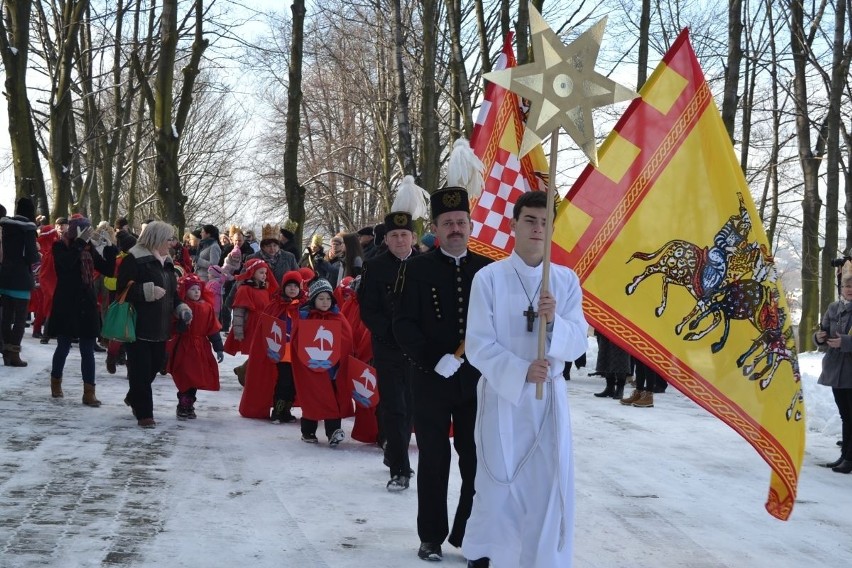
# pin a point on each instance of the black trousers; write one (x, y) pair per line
(434, 410)
(396, 401)
(144, 361)
(14, 320)
(843, 400)
(285, 388)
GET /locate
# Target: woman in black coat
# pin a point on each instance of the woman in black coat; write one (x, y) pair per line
(16, 278)
(149, 271)
(76, 312)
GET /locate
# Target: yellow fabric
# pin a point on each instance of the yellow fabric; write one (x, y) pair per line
(671, 252)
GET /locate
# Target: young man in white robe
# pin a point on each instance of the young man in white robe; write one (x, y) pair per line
(523, 510)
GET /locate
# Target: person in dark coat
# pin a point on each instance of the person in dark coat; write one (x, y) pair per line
(376, 297)
(834, 332)
(429, 326)
(76, 312)
(288, 242)
(149, 272)
(16, 278)
(366, 236)
(613, 365)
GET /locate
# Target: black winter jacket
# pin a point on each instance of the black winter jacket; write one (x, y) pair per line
(153, 317)
(19, 253)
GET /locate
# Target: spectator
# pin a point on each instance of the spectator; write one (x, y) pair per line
(209, 251)
(19, 253)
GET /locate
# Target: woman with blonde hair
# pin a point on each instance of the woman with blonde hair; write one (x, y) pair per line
(148, 271)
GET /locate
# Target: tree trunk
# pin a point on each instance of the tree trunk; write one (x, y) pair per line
(732, 67)
(482, 35)
(839, 78)
(14, 47)
(811, 202)
(294, 192)
(406, 148)
(430, 150)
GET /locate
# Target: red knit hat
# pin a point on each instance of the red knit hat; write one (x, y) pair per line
(190, 280)
(292, 276)
(253, 265)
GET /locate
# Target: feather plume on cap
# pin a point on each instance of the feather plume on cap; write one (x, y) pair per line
(465, 169)
(411, 198)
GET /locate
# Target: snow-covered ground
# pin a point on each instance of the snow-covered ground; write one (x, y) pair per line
(669, 486)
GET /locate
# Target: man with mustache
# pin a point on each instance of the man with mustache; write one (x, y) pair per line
(429, 326)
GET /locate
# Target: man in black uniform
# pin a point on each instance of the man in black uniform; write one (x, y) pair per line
(376, 298)
(429, 325)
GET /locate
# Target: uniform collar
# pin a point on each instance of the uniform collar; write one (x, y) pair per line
(457, 260)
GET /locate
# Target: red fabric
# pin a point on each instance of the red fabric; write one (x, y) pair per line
(319, 396)
(366, 427)
(191, 362)
(46, 276)
(267, 348)
(361, 337)
(254, 300)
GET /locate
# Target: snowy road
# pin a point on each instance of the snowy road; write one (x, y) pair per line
(663, 487)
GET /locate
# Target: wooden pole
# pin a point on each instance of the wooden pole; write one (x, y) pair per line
(548, 238)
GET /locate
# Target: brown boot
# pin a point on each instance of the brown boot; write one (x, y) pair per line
(56, 387)
(89, 395)
(634, 396)
(645, 401)
(240, 372)
(12, 356)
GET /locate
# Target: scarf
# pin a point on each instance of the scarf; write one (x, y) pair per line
(87, 267)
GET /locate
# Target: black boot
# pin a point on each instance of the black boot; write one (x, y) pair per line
(844, 467)
(619, 386)
(610, 387)
(833, 464)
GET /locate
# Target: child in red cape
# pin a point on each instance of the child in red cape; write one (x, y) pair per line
(269, 382)
(190, 360)
(255, 290)
(41, 300)
(324, 393)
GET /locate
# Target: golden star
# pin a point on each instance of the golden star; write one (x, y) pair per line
(562, 86)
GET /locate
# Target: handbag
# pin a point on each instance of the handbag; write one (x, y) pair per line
(120, 319)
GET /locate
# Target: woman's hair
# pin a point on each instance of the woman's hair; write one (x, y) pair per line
(155, 234)
(354, 255)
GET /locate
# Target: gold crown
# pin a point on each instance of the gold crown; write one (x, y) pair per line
(233, 230)
(269, 232)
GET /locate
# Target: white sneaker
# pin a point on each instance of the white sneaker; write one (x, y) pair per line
(336, 438)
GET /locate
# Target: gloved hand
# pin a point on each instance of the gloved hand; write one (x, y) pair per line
(448, 365)
(186, 316)
(86, 234)
(159, 292)
(220, 356)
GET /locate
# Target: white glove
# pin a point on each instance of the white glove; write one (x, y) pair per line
(448, 365)
(158, 292)
(86, 233)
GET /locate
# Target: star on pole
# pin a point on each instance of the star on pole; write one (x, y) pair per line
(562, 86)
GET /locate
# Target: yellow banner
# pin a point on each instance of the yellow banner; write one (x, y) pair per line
(676, 267)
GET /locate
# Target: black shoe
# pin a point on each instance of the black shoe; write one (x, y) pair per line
(844, 467)
(336, 437)
(480, 563)
(839, 443)
(182, 412)
(430, 551)
(44, 340)
(309, 438)
(398, 483)
(835, 463)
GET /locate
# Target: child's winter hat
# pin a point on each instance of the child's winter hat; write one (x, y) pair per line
(215, 271)
(190, 280)
(319, 285)
(250, 267)
(292, 276)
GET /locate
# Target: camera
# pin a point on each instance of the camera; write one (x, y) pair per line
(838, 262)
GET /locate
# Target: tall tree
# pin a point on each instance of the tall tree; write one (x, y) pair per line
(160, 101)
(732, 67)
(15, 49)
(809, 160)
(430, 150)
(294, 191)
